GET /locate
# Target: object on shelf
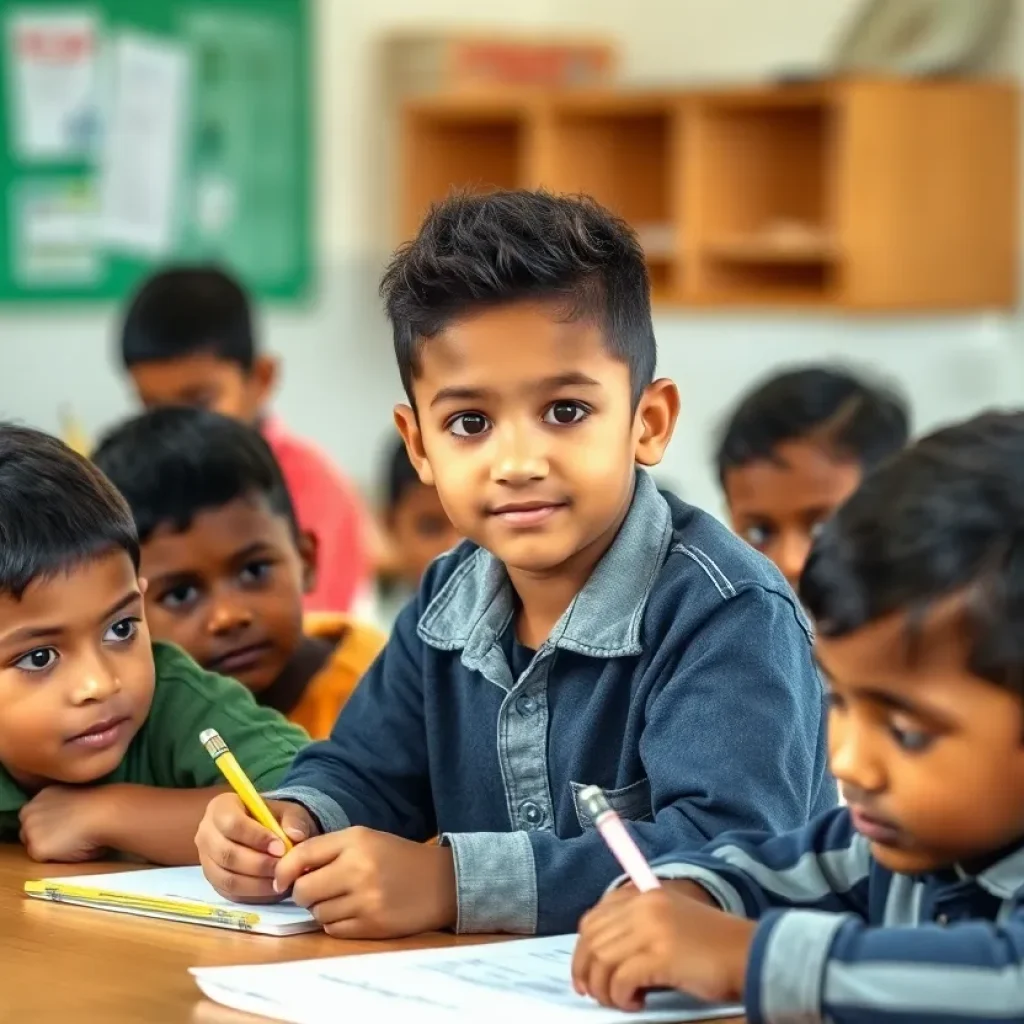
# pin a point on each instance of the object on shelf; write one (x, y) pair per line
(429, 62)
(920, 37)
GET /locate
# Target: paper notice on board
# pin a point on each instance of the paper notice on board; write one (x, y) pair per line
(53, 64)
(55, 232)
(141, 160)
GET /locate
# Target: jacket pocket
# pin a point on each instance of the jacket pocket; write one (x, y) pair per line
(631, 803)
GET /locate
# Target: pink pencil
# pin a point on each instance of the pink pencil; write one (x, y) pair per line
(619, 841)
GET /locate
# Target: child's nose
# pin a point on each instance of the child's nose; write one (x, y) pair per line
(95, 682)
(228, 616)
(853, 755)
(520, 456)
(791, 555)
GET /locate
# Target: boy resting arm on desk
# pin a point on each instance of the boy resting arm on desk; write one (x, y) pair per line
(908, 905)
(591, 630)
(99, 729)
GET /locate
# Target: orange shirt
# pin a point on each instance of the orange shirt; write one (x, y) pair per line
(326, 693)
(328, 506)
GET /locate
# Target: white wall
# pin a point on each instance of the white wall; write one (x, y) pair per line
(339, 382)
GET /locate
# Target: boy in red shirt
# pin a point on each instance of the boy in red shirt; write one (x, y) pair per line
(188, 339)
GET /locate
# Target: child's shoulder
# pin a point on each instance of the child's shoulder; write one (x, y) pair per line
(707, 565)
(709, 548)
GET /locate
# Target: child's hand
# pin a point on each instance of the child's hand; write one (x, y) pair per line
(370, 885)
(64, 823)
(632, 942)
(239, 856)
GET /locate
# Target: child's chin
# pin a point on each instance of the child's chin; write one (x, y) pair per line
(907, 862)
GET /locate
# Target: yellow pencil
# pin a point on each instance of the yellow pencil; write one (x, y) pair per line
(239, 782)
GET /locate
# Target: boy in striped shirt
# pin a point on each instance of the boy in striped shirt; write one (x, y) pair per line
(907, 904)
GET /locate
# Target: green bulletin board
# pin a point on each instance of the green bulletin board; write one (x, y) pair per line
(139, 132)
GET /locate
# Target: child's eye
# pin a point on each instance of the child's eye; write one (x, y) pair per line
(122, 631)
(255, 572)
(38, 660)
(914, 741)
(565, 413)
(835, 702)
(178, 598)
(756, 535)
(468, 424)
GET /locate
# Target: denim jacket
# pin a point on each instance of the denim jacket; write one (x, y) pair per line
(679, 679)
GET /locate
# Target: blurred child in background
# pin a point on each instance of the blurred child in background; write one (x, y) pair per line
(796, 448)
(188, 339)
(416, 530)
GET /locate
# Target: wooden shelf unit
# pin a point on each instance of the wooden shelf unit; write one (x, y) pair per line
(867, 195)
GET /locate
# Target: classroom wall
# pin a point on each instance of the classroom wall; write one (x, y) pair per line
(338, 380)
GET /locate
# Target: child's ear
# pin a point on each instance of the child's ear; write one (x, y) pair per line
(409, 427)
(263, 377)
(655, 421)
(309, 550)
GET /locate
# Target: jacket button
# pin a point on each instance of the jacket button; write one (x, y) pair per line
(526, 706)
(531, 814)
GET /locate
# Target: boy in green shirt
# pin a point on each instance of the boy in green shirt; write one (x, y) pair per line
(99, 728)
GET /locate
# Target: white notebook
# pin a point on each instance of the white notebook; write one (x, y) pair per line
(524, 980)
(172, 894)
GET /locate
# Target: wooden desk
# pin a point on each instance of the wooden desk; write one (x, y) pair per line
(61, 964)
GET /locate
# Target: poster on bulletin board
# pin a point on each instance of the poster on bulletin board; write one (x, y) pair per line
(135, 133)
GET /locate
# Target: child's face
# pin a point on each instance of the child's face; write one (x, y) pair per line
(76, 673)
(778, 505)
(229, 590)
(204, 381)
(930, 757)
(525, 427)
(420, 531)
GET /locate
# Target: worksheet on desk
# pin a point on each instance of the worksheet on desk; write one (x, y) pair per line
(510, 981)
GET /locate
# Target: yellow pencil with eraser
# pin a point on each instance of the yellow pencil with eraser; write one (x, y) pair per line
(239, 782)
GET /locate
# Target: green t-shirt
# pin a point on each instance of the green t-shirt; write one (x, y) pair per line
(166, 751)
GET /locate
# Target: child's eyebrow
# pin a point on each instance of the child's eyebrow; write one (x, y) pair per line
(892, 701)
(571, 379)
(258, 547)
(31, 633)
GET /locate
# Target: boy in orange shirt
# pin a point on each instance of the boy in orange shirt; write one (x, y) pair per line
(227, 564)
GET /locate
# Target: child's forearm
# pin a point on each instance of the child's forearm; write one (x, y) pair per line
(158, 825)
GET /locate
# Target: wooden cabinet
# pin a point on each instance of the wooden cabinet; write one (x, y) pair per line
(865, 195)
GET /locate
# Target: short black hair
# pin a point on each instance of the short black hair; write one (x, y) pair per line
(57, 510)
(478, 251)
(181, 311)
(173, 463)
(401, 475)
(944, 517)
(857, 419)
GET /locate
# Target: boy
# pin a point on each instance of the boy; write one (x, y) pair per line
(188, 339)
(99, 729)
(589, 631)
(227, 564)
(796, 448)
(906, 905)
(417, 528)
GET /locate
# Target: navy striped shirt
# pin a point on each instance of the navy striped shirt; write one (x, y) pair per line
(841, 938)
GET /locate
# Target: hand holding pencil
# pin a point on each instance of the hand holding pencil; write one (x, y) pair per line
(242, 836)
